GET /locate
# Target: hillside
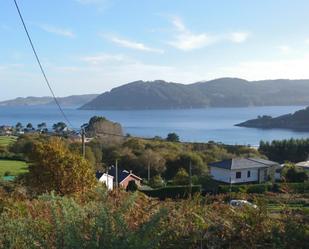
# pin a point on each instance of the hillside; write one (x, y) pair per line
(297, 121)
(70, 101)
(224, 92)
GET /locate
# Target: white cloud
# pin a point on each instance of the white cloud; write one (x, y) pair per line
(57, 30)
(103, 58)
(133, 45)
(272, 69)
(186, 40)
(285, 49)
(307, 41)
(178, 24)
(239, 37)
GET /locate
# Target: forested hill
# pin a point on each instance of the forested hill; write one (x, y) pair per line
(224, 92)
(297, 121)
(70, 101)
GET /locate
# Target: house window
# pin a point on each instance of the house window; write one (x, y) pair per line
(238, 175)
(248, 174)
(265, 174)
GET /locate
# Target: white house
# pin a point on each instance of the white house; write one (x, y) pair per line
(108, 180)
(304, 165)
(243, 170)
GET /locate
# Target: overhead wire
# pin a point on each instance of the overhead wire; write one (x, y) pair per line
(41, 67)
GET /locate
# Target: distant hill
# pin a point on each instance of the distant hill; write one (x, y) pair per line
(70, 101)
(297, 121)
(224, 92)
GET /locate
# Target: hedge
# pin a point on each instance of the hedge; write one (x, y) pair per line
(298, 187)
(262, 188)
(173, 192)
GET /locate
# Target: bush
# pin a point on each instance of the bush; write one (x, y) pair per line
(298, 187)
(258, 188)
(262, 188)
(7, 173)
(182, 177)
(231, 188)
(173, 192)
(156, 182)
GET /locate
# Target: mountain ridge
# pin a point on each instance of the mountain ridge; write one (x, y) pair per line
(222, 92)
(69, 101)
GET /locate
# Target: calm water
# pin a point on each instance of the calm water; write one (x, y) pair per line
(197, 125)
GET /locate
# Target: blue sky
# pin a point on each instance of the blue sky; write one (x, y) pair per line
(90, 46)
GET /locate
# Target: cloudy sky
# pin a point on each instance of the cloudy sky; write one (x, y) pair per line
(90, 46)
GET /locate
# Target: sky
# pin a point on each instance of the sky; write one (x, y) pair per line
(91, 46)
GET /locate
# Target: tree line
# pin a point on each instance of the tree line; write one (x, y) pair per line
(292, 150)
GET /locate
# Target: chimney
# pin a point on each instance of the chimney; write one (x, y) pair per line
(130, 171)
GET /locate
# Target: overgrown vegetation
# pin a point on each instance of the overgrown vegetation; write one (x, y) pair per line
(59, 204)
(96, 219)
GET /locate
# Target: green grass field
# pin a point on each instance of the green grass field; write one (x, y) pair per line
(14, 167)
(275, 208)
(5, 141)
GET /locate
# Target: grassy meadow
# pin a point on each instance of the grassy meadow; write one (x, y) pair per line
(12, 167)
(5, 141)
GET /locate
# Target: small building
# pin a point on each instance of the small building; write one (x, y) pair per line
(243, 170)
(124, 177)
(108, 180)
(304, 165)
(6, 130)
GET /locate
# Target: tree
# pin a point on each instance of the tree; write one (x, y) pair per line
(156, 182)
(183, 161)
(59, 127)
(182, 177)
(172, 137)
(42, 126)
(294, 175)
(55, 168)
(153, 162)
(132, 186)
(29, 126)
(18, 126)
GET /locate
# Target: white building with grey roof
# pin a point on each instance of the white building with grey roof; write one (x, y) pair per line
(243, 170)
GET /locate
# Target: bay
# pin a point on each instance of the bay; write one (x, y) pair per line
(192, 125)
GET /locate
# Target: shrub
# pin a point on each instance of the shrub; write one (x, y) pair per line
(298, 187)
(262, 188)
(7, 173)
(258, 188)
(173, 192)
(156, 182)
(182, 177)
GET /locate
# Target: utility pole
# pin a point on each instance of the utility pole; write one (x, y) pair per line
(116, 172)
(83, 142)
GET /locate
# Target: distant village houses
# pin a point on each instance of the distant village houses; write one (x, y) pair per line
(123, 177)
(107, 179)
(6, 130)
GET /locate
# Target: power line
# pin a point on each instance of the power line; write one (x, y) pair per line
(41, 67)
